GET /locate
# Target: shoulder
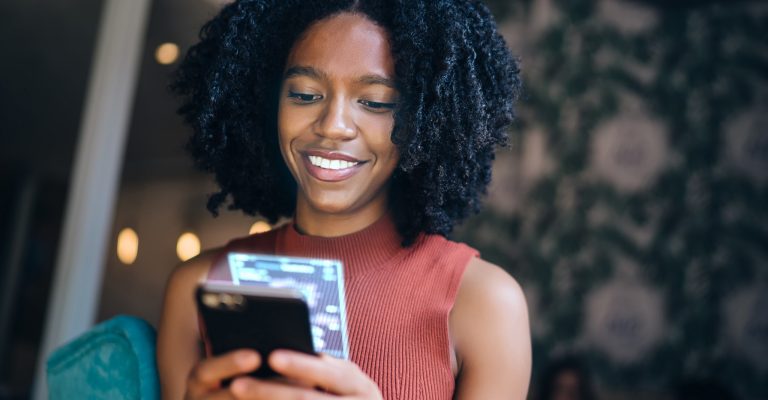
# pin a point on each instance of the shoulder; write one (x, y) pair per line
(491, 334)
(488, 298)
(182, 283)
(193, 271)
(189, 274)
(439, 246)
(487, 286)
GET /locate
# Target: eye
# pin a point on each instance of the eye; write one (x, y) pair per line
(304, 98)
(376, 106)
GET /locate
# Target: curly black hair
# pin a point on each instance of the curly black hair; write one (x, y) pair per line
(457, 80)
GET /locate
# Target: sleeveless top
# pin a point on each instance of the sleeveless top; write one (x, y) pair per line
(398, 300)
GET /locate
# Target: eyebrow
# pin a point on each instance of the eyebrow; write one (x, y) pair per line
(305, 71)
(377, 80)
(314, 73)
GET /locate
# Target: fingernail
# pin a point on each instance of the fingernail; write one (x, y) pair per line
(239, 386)
(247, 359)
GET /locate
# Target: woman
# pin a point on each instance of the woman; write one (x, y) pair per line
(372, 124)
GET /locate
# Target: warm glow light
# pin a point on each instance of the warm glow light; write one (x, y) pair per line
(167, 53)
(187, 246)
(259, 227)
(127, 246)
(220, 3)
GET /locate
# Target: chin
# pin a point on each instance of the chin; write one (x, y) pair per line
(332, 206)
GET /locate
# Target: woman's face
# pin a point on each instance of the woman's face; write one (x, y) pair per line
(335, 115)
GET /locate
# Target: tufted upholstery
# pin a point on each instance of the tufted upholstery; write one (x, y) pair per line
(114, 360)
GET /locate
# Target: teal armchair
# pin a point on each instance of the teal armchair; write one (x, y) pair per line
(114, 360)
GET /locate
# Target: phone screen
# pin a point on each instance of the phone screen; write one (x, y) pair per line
(320, 281)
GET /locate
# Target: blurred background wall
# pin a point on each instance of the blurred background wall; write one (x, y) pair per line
(631, 204)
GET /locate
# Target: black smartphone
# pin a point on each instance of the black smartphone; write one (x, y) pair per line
(259, 318)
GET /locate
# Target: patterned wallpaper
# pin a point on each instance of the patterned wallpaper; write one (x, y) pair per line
(632, 204)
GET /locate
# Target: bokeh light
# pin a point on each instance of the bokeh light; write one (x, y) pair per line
(127, 246)
(187, 246)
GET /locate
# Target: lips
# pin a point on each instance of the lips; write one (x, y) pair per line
(330, 166)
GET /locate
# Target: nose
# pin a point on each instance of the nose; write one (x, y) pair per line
(336, 121)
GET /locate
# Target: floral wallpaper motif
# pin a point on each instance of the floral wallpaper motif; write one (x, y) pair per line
(632, 204)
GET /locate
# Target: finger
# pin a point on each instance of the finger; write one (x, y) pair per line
(209, 373)
(333, 375)
(247, 388)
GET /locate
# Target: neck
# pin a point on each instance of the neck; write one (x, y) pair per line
(311, 221)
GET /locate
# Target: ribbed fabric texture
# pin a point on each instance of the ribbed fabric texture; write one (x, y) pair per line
(398, 300)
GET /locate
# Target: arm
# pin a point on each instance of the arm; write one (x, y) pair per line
(178, 336)
(184, 375)
(489, 327)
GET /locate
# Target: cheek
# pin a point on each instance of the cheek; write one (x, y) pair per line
(293, 120)
(392, 154)
(386, 149)
(283, 123)
(288, 126)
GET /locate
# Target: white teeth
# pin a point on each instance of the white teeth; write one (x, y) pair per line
(330, 164)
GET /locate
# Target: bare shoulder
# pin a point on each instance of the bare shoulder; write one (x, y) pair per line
(487, 293)
(487, 287)
(194, 270)
(491, 334)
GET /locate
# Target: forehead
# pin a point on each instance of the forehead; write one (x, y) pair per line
(344, 45)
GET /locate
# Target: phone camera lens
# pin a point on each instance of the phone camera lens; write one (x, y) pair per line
(211, 300)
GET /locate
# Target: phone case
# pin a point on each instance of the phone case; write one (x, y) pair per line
(278, 320)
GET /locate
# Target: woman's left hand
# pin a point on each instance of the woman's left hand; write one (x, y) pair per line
(339, 378)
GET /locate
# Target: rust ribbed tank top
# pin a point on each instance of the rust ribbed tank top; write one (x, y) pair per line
(398, 301)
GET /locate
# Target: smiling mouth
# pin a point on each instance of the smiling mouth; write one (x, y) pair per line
(332, 164)
(329, 166)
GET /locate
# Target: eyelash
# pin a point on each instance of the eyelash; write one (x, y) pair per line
(304, 98)
(374, 106)
(378, 106)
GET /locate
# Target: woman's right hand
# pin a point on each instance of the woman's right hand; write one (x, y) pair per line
(204, 380)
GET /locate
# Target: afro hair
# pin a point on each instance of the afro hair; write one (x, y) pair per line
(457, 80)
